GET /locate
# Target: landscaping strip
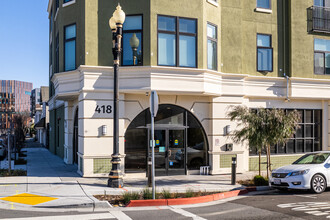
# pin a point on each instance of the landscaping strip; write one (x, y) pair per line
(186, 201)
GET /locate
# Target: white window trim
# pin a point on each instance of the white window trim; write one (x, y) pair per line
(264, 10)
(213, 2)
(68, 3)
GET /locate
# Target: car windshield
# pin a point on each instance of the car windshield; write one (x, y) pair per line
(316, 158)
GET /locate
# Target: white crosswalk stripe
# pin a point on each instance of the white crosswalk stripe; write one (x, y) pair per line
(120, 215)
(187, 214)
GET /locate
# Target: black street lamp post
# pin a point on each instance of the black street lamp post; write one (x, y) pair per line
(116, 24)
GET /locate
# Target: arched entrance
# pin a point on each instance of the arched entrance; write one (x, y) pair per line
(180, 142)
(75, 138)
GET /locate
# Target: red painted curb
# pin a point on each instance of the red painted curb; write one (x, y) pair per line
(186, 201)
(192, 200)
(148, 202)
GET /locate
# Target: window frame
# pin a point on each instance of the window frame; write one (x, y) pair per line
(214, 40)
(57, 54)
(177, 34)
(64, 48)
(320, 52)
(270, 5)
(141, 43)
(261, 47)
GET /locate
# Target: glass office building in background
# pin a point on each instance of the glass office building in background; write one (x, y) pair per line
(14, 98)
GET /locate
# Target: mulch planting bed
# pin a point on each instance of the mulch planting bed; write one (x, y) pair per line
(118, 200)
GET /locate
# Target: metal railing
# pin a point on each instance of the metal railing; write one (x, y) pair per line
(318, 19)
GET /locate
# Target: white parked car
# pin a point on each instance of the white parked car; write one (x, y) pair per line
(311, 171)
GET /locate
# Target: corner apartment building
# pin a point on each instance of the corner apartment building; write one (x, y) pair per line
(201, 56)
(14, 98)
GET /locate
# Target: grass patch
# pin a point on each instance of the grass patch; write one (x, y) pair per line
(166, 194)
(189, 193)
(128, 196)
(4, 173)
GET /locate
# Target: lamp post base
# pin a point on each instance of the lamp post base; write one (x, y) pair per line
(115, 182)
(115, 176)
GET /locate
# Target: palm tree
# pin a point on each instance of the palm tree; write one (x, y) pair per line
(263, 128)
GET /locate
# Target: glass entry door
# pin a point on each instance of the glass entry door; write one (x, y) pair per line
(169, 152)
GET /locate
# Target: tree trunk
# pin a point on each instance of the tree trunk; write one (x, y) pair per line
(259, 162)
(270, 165)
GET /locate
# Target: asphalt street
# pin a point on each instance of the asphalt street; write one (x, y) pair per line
(258, 205)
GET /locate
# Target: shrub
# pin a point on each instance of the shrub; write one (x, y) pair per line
(4, 172)
(166, 194)
(128, 196)
(189, 193)
(146, 193)
(260, 181)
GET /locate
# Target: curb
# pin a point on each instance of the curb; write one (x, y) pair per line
(187, 201)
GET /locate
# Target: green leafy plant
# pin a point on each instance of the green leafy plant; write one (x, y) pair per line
(263, 128)
(189, 193)
(260, 181)
(166, 194)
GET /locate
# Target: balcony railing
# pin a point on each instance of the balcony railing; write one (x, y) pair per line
(318, 19)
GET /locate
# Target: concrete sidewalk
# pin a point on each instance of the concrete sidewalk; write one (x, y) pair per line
(48, 175)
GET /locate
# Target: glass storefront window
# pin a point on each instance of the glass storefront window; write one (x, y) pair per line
(180, 141)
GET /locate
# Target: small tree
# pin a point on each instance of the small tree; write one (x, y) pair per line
(263, 128)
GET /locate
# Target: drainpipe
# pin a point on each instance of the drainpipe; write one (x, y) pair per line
(287, 87)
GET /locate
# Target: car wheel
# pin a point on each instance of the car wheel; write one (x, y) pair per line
(318, 184)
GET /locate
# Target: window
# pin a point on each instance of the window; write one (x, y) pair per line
(132, 41)
(57, 58)
(57, 4)
(211, 47)
(319, 3)
(308, 137)
(264, 53)
(177, 41)
(51, 54)
(321, 56)
(263, 4)
(51, 22)
(70, 47)
(65, 1)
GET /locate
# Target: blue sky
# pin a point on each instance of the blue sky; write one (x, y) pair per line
(24, 41)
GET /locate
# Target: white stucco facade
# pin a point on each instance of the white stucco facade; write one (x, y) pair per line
(206, 94)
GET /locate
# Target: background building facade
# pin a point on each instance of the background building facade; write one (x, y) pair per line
(14, 98)
(202, 57)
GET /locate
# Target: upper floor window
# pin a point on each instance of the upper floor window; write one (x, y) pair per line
(132, 41)
(264, 53)
(65, 1)
(177, 41)
(319, 3)
(51, 21)
(263, 4)
(70, 47)
(57, 4)
(57, 57)
(321, 56)
(212, 47)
